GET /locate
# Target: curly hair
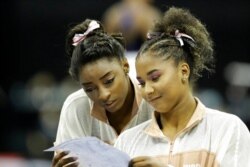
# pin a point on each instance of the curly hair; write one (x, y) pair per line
(198, 53)
(97, 44)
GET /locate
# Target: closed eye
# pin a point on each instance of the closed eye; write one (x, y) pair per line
(88, 89)
(141, 83)
(109, 81)
(155, 78)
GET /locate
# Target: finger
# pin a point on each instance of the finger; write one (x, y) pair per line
(130, 164)
(141, 164)
(146, 163)
(135, 164)
(142, 161)
(58, 157)
(73, 164)
(139, 159)
(67, 161)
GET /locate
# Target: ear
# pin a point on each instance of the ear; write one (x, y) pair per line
(184, 70)
(125, 65)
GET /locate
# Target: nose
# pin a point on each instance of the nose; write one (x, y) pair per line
(148, 89)
(104, 94)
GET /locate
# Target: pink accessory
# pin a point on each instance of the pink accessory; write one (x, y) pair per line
(80, 37)
(179, 36)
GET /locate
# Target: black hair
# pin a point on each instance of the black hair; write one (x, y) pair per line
(198, 53)
(97, 45)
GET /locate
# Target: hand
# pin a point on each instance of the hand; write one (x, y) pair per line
(62, 160)
(146, 161)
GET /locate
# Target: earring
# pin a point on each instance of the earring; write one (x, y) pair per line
(183, 79)
(126, 70)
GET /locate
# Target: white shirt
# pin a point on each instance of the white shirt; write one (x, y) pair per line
(211, 139)
(81, 117)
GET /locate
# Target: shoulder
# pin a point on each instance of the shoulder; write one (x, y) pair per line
(224, 121)
(135, 131)
(76, 97)
(218, 115)
(228, 132)
(77, 102)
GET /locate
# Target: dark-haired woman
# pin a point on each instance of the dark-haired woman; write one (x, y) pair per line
(183, 132)
(109, 102)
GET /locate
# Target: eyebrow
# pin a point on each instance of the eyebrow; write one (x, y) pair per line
(148, 73)
(102, 77)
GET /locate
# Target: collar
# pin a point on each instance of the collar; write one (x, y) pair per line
(154, 130)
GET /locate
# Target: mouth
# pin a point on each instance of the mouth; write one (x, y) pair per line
(109, 104)
(151, 100)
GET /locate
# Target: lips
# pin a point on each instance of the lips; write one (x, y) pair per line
(109, 104)
(151, 100)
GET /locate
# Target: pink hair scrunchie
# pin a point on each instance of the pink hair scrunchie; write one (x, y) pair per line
(80, 37)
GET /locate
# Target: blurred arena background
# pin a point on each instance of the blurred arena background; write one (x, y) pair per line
(34, 80)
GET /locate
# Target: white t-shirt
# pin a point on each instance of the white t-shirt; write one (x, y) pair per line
(211, 139)
(81, 117)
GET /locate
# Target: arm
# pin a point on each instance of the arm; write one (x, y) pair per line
(73, 123)
(74, 119)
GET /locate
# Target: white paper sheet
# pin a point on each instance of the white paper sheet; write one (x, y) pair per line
(92, 152)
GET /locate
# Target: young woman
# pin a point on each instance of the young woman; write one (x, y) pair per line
(183, 132)
(109, 102)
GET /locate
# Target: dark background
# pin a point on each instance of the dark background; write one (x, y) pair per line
(33, 34)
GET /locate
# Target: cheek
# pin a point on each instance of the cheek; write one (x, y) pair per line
(119, 87)
(142, 92)
(167, 85)
(122, 88)
(93, 96)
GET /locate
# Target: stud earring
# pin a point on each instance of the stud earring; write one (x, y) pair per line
(183, 80)
(126, 70)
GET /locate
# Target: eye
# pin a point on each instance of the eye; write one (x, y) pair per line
(88, 89)
(109, 81)
(155, 78)
(141, 83)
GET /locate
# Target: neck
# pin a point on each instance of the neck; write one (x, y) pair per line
(119, 119)
(176, 120)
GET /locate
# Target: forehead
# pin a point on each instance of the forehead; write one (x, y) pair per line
(150, 61)
(149, 58)
(98, 68)
(103, 63)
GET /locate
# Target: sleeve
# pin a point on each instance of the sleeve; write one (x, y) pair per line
(235, 152)
(74, 120)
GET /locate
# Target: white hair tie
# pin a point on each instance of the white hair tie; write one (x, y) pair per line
(179, 36)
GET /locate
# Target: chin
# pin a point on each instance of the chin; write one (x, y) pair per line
(160, 110)
(114, 109)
